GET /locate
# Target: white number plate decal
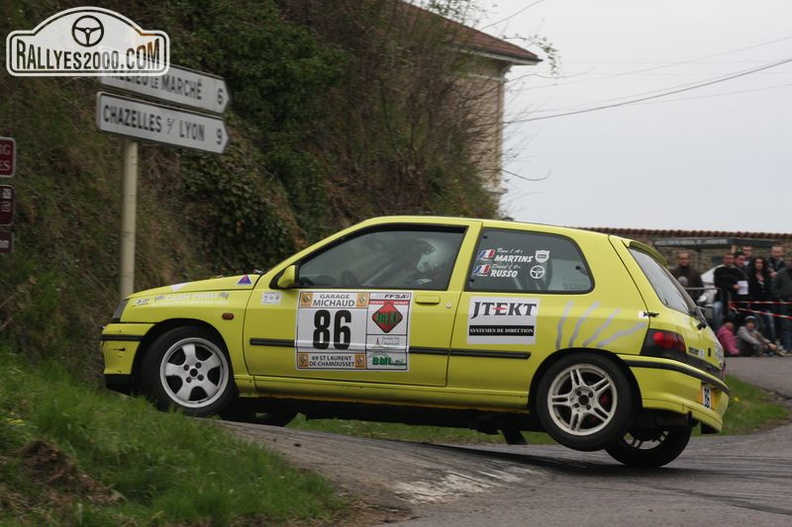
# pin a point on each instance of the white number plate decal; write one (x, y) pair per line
(706, 396)
(341, 330)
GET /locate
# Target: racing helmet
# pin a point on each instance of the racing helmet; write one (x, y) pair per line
(436, 254)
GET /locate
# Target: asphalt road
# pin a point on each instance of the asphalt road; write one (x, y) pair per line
(772, 373)
(718, 480)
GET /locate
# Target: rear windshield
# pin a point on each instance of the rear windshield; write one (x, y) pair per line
(665, 285)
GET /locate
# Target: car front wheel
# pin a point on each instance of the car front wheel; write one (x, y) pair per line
(650, 448)
(187, 369)
(584, 401)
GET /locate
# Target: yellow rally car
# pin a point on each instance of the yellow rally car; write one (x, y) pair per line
(491, 325)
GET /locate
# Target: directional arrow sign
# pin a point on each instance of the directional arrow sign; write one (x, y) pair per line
(160, 124)
(181, 86)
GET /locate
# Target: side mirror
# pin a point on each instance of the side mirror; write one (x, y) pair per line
(287, 278)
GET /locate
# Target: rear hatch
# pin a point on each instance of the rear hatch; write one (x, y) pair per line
(678, 329)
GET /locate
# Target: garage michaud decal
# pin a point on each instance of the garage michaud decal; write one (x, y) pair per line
(502, 320)
(341, 330)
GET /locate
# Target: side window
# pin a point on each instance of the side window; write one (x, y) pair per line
(397, 258)
(519, 261)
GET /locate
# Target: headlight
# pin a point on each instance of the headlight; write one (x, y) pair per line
(119, 311)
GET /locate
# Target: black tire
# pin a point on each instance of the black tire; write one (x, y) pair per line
(650, 448)
(187, 369)
(584, 401)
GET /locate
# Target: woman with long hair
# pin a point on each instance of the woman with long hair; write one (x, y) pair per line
(759, 290)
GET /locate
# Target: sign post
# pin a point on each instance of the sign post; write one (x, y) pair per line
(128, 218)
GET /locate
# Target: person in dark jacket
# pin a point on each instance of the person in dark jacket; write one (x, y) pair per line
(687, 276)
(732, 284)
(782, 291)
(760, 289)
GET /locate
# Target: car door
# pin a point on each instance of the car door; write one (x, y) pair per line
(522, 289)
(375, 306)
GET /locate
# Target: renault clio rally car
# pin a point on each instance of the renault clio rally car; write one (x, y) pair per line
(491, 325)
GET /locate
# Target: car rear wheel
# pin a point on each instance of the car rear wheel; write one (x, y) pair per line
(187, 369)
(650, 448)
(584, 401)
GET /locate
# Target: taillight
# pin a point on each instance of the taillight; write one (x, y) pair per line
(661, 343)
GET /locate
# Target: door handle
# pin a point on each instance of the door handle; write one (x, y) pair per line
(427, 299)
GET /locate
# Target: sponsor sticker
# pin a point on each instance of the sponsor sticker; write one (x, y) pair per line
(245, 280)
(340, 330)
(271, 298)
(502, 320)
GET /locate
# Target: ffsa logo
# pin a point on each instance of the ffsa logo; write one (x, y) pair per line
(87, 41)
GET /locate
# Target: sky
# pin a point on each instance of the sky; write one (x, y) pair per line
(715, 157)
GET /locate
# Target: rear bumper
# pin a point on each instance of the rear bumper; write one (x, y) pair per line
(677, 387)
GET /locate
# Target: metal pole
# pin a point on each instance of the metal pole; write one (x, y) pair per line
(128, 214)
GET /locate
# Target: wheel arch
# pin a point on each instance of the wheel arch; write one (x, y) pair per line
(558, 355)
(163, 327)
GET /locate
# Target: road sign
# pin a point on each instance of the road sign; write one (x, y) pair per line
(181, 86)
(6, 205)
(160, 124)
(7, 157)
(6, 242)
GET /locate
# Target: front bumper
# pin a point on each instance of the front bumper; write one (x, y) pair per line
(119, 346)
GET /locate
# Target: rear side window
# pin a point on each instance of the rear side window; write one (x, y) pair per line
(520, 261)
(667, 288)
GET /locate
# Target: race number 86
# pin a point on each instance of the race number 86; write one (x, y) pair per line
(332, 328)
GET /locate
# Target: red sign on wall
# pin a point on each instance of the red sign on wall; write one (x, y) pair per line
(7, 156)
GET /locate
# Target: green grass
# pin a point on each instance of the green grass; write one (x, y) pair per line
(70, 455)
(752, 409)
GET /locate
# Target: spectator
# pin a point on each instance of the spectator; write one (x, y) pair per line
(687, 276)
(760, 289)
(747, 250)
(776, 261)
(774, 264)
(740, 262)
(727, 339)
(751, 341)
(782, 291)
(732, 285)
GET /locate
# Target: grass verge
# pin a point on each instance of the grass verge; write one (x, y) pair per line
(75, 456)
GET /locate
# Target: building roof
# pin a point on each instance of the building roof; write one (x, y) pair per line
(678, 233)
(479, 42)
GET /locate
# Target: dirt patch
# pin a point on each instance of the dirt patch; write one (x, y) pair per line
(61, 481)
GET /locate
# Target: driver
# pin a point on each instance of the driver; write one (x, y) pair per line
(425, 264)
